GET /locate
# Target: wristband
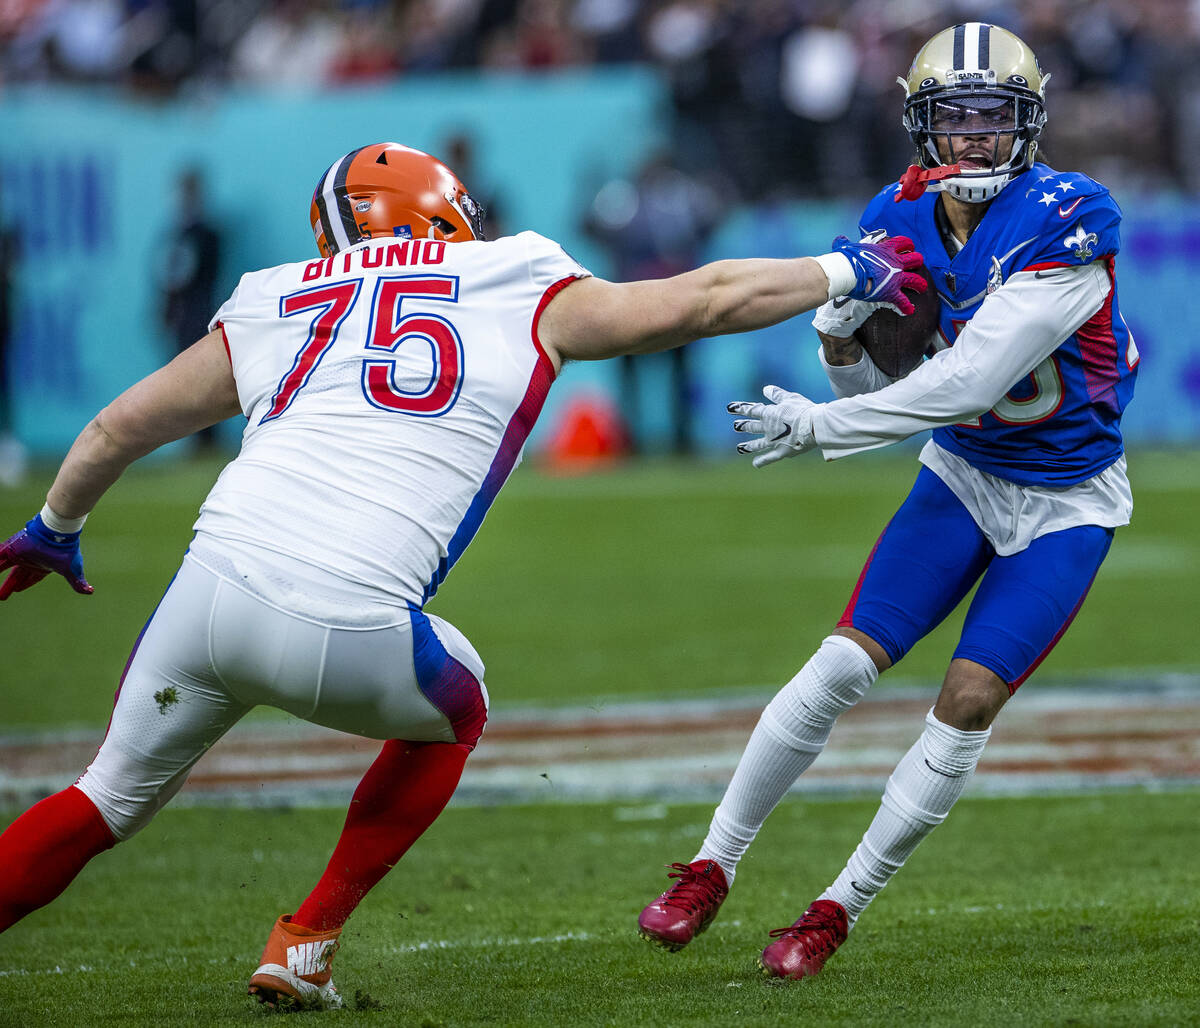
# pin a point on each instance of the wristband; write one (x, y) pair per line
(839, 271)
(57, 523)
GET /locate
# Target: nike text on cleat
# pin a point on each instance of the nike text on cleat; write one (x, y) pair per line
(687, 908)
(801, 950)
(295, 968)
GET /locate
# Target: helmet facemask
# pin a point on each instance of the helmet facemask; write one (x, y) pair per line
(472, 211)
(991, 134)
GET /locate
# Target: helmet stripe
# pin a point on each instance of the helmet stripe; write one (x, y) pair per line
(985, 46)
(346, 215)
(960, 47)
(333, 206)
(319, 198)
(971, 47)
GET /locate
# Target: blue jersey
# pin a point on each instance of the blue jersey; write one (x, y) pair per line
(1061, 424)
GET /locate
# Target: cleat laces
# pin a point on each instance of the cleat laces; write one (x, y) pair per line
(819, 933)
(695, 890)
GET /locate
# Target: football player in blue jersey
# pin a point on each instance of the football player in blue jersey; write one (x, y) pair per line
(1022, 486)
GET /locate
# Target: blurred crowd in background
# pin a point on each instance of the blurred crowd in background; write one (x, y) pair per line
(771, 97)
(770, 100)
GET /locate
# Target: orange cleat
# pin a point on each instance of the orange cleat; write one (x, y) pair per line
(294, 970)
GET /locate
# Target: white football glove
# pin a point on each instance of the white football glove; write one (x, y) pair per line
(784, 422)
(842, 317)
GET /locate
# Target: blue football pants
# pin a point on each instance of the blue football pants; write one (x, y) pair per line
(930, 555)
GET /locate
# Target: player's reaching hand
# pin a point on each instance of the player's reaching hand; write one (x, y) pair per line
(784, 423)
(883, 268)
(34, 552)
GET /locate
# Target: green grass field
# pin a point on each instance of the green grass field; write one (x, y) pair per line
(1048, 911)
(654, 580)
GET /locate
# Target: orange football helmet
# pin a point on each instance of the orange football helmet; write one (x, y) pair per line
(391, 190)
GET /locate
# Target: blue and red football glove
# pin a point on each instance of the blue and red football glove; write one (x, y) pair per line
(34, 552)
(883, 270)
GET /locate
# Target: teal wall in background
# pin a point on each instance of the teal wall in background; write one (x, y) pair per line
(89, 179)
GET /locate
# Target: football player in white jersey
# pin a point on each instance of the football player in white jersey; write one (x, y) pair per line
(1022, 488)
(388, 388)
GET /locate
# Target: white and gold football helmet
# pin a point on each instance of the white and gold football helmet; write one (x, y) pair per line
(980, 91)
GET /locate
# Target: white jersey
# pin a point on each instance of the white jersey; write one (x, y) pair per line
(388, 392)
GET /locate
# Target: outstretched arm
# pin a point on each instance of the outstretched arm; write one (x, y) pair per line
(192, 392)
(594, 319)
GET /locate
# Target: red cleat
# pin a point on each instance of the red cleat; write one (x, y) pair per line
(801, 950)
(687, 908)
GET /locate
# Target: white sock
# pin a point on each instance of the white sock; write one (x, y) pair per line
(918, 796)
(789, 736)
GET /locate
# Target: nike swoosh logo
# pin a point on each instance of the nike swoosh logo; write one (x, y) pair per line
(1066, 212)
(784, 434)
(839, 302)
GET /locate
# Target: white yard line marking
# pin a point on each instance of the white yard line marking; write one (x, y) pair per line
(426, 945)
(1142, 731)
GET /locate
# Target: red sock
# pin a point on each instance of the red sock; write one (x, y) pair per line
(400, 796)
(43, 850)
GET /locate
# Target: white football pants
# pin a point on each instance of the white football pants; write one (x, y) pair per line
(211, 652)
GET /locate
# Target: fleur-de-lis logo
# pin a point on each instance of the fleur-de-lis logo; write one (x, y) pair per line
(1081, 242)
(995, 277)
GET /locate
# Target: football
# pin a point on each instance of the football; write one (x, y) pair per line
(897, 344)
